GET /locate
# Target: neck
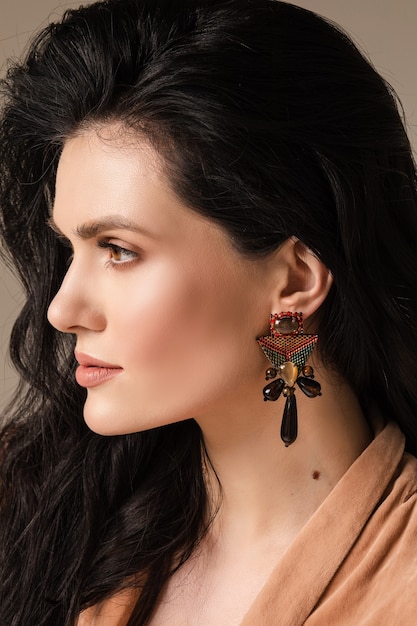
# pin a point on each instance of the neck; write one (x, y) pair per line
(269, 489)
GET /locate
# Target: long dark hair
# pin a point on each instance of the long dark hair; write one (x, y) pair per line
(271, 123)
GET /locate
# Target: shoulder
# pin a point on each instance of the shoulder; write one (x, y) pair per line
(377, 582)
(388, 542)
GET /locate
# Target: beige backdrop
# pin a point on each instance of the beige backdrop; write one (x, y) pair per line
(385, 28)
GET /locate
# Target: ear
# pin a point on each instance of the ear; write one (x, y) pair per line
(301, 281)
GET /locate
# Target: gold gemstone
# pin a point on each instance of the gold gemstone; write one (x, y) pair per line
(289, 373)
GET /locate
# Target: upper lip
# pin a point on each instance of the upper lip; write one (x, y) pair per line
(89, 361)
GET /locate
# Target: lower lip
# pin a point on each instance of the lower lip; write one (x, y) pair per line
(94, 376)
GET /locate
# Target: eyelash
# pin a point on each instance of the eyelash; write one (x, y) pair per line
(117, 250)
(103, 245)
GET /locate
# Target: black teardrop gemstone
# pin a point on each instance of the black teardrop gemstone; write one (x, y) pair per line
(310, 387)
(289, 425)
(273, 390)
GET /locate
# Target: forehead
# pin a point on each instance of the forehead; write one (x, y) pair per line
(106, 169)
(113, 172)
(112, 147)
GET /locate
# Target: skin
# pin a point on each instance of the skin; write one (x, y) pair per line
(163, 309)
(179, 310)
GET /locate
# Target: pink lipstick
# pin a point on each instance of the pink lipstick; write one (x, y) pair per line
(92, 372)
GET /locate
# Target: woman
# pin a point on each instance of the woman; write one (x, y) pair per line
(179, 181)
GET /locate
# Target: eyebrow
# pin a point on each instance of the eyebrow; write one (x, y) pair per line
(91, 229)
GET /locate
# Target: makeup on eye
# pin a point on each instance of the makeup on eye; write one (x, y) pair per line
(118, 254)
(93, 231)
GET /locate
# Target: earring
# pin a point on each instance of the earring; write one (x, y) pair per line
(288, 348)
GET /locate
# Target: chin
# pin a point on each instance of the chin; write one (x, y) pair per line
(109, 419)
(105, 419)
(101, 426)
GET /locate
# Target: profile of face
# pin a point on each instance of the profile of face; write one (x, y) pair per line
(164, 309)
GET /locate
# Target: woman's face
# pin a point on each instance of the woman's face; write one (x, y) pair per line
(165, 311)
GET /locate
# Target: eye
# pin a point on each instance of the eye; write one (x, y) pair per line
(118, 255)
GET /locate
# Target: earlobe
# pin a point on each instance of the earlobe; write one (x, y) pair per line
(304, 281)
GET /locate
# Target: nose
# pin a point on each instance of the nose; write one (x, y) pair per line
(75, 307)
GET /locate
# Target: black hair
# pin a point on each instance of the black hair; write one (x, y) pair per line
(271, 123)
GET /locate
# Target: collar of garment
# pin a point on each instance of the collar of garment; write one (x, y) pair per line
(311, 561)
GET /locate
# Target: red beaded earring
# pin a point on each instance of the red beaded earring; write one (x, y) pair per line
(288, 348)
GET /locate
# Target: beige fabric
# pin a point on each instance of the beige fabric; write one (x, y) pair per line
(355, 561)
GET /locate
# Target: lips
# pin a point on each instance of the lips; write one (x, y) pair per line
(92, 372)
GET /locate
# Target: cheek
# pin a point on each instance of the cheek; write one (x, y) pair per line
(175, 314)
(187, 342)
(187, 328)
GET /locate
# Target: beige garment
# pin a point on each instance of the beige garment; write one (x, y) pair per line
(354, 563)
